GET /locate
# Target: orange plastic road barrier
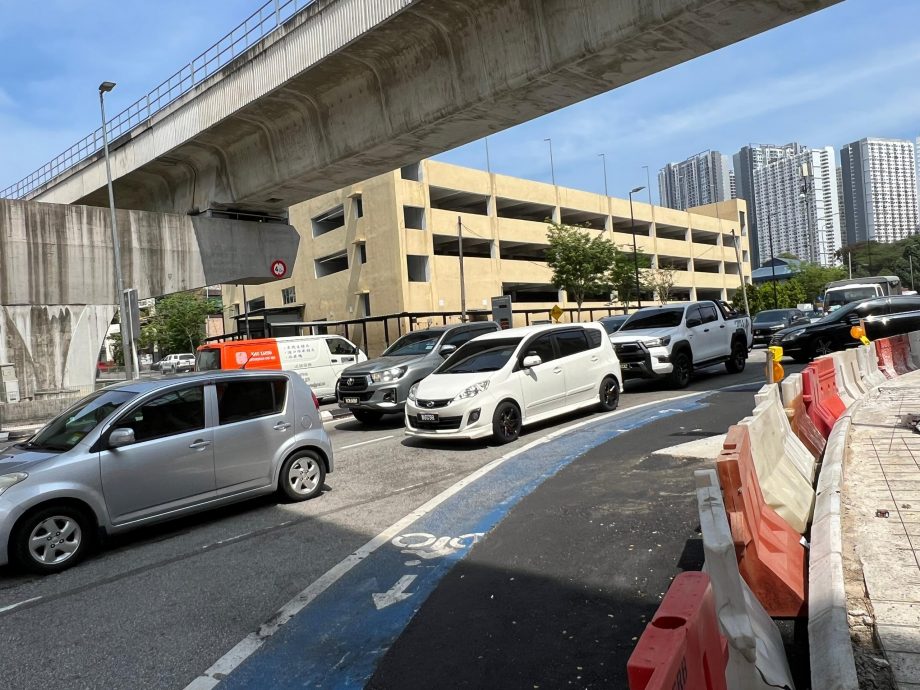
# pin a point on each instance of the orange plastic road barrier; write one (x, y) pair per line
(822, 402)
(770, 556)
(900, 354)
(682, 647)
(801, 423)
(885, 351)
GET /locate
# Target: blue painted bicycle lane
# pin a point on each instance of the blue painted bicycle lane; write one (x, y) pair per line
(338, 639)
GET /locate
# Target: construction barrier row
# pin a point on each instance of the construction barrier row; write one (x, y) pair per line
(754, 509)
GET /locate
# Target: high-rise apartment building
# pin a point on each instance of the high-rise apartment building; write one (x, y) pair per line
(746, 161)
(701, 179)
(879, 190)
(797, 206)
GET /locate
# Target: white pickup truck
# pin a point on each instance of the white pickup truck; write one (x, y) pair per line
(671, 341)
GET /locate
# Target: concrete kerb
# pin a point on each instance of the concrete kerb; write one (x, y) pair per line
(757, 659)
(833, 666)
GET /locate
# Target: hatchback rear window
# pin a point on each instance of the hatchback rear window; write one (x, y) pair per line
(238, 401)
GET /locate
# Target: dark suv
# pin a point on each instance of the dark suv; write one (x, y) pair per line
(379, 386)
(882, 316)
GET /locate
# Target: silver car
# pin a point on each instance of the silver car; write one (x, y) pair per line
(147, 451)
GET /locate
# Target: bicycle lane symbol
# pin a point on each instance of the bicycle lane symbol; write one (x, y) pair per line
(426, 547)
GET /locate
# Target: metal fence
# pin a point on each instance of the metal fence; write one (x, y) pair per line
(268, 18)
(387, 328)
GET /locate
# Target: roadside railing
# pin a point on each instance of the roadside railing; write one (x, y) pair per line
(268, 18)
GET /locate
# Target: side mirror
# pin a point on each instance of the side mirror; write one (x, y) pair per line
(446, 350)
(121, 437)
(693, 323)
(531, 360)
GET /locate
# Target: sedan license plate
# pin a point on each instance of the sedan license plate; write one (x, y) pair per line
(427, 417)
(350, 401)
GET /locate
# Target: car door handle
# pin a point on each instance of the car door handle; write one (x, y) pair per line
(595, 358)
(705, 330)
(199, 444)
(282, 426)
(722, 326)
(557, 370)
(334, 361)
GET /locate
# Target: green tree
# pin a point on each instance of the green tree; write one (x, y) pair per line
(623, 274)
(813, 278)
(179, 322)
(582, 261)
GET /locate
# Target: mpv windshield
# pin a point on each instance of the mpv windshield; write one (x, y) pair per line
(68, 429)
(480, 355)
(668, 317)
(419, 343)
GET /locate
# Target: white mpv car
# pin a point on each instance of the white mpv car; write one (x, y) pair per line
(496, 383)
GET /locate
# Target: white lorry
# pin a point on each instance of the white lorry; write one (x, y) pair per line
(839, 293)
(671, 341)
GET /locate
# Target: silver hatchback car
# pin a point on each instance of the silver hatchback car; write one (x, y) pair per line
(147, 451)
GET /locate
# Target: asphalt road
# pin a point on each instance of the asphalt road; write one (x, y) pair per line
(155, 608)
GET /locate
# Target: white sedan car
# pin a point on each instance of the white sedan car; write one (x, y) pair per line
(496, 383)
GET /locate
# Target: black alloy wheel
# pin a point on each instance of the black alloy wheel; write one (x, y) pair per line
(506, 422)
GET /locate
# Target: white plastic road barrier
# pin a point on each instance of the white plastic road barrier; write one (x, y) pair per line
(832, 663)
(796, 451)
(875, 374)
(784, 487)
(756, 658)
(854, 377)
(914, 337)
(847, 389)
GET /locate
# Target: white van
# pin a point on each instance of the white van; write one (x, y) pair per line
(319, 359)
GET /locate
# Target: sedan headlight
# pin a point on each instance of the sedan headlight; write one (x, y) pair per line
(389, 375)
(658, 342)
(472, 391)
(7, 480)
(413, 392)
(792, 335)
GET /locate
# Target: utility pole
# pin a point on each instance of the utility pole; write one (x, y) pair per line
(735, 239)
(462, 283)
(850, 261)
(128, 347)
(246, 312)
(910, 259)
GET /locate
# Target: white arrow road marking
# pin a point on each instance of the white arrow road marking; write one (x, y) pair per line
(396, 594)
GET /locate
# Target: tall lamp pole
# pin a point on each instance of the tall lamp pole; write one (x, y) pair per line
(129, 353)
(632, 225)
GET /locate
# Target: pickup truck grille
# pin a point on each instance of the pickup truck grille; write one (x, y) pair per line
(630, 352)
(349, 384)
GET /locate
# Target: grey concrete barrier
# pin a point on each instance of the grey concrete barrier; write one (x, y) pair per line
(833, 666)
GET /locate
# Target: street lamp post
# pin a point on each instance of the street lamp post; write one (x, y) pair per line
(129, 353)
(632, 225)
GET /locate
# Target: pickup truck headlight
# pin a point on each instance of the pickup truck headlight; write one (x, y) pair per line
(7, 480)
(389, 375)
(658, 342)
(472, 391)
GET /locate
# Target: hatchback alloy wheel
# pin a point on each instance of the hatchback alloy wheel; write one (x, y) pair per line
(506, 422)
(55, 539)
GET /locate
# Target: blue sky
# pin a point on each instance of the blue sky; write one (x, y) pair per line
(847, 72)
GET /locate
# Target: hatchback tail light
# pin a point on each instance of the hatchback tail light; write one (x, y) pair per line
(315, 399)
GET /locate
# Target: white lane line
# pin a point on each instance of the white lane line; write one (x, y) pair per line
(364, 443)
(4, 609)
(251, 643)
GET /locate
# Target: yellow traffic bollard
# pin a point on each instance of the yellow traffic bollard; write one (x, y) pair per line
(774, 370)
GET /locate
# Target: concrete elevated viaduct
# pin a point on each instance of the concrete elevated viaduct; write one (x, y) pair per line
(57, 283)
(349, 89)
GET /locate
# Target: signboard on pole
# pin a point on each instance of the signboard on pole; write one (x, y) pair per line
(556, 313)
(501, 311)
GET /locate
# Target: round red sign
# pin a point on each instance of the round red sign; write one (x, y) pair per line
(279, 268)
